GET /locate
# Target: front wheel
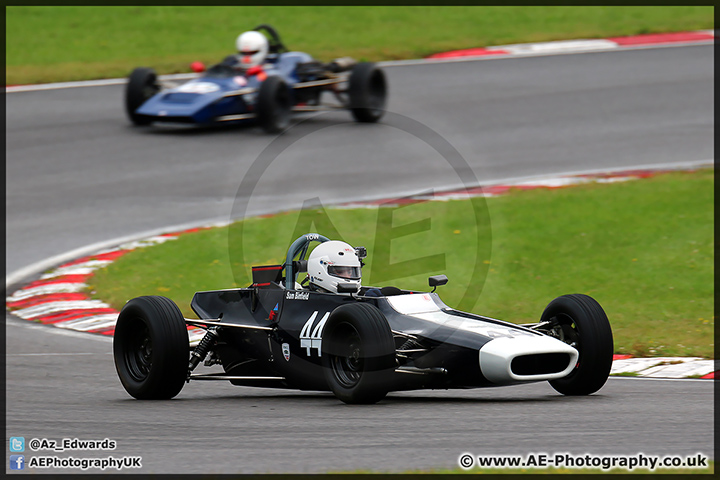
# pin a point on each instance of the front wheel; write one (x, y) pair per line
(367, 90)
(274, 105)
(580, 321)
(358, 353)
(151, 348)
(141, 85)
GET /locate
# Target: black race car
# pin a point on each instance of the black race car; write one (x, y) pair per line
(275, 333)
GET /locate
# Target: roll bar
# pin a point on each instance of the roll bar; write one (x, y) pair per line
(276, 45)
(300, 245)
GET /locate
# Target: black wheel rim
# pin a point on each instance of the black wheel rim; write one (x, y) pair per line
(149, 89)
(564, 328)
(138, 354)
(347, 366)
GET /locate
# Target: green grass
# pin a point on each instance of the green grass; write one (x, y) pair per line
(643, 249)
(53, 43)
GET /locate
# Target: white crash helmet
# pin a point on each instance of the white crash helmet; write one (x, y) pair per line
(253, 47)
(331, 263)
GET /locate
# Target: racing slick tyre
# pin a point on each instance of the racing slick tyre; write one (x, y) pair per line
(141, 85)
(151, 348)
(367, 90)
(358, 353)
(274, 105)
(580, 321)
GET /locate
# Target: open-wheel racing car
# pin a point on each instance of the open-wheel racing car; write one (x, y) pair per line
(266, 93)
(359, 343)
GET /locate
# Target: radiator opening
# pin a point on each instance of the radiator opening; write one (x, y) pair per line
(540, 363)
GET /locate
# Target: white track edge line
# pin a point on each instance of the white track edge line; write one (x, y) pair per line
(475, 58)
(597, 171)
(665, 379)
(511, 181)
(11, 320)
(388, 63)
(45, 264)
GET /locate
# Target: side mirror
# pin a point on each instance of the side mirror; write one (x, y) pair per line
(437, 281)
(347, 288)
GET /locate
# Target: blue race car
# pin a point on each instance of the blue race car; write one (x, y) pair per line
(267, 94)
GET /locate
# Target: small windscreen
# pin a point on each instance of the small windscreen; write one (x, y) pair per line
(264, 275)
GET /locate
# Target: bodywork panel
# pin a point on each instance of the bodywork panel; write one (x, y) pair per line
(278, 332)
(220, 92)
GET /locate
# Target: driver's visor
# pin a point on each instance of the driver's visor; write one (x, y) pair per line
(349, 273)
(253, 52)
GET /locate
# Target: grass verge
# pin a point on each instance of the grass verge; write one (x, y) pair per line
(62, 43)
(643, 249)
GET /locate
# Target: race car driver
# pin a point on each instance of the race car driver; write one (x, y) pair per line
(331, 263)
(253, 49)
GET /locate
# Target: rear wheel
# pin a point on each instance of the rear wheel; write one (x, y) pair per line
(580, 321)
(151, 348)
(358, 353)
(141, 85)
(274, 105)
(367, 90)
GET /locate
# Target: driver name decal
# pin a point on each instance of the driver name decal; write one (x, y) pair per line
(312, 340)
(297, 295)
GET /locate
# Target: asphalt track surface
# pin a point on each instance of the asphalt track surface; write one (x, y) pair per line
(78, 174)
